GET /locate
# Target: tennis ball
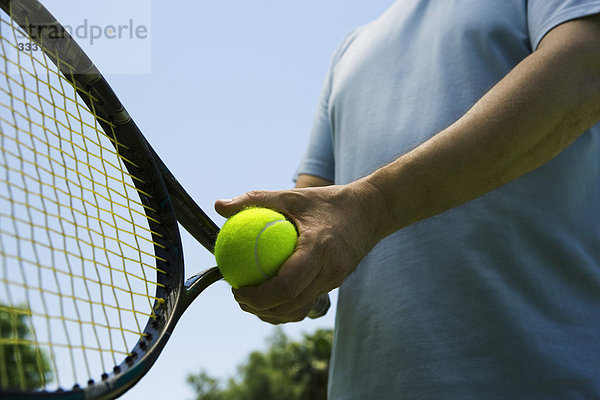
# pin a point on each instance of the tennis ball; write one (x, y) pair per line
(252, 245)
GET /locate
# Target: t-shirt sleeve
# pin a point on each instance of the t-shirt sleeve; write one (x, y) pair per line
(319, 159)
(544, 15)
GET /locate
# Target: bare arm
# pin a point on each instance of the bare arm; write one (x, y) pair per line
(529, 117)
(305, 181)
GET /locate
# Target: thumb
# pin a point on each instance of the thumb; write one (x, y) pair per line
(229, 207)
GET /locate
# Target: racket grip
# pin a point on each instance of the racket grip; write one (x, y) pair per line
(320, 307)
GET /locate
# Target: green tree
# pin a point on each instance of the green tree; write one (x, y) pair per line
(286, 371)
(23, 365)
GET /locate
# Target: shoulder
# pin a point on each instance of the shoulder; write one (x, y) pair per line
(347, 42)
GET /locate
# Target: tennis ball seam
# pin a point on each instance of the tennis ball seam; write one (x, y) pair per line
(256, 240)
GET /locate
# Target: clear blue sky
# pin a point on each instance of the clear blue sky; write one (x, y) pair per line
(227, 99)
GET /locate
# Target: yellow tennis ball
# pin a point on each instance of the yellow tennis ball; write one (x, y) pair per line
(252, 245)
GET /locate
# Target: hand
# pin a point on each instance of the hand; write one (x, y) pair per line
(338, 226)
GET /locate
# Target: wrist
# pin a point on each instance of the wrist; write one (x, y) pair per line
(373, 209)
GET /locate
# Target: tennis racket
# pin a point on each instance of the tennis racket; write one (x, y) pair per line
(91, 266)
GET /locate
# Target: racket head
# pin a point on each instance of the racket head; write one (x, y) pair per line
(71, 72)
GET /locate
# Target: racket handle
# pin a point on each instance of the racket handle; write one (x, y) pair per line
(320, 307)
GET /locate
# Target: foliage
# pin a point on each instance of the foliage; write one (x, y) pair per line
(23, 365)
(286, 371)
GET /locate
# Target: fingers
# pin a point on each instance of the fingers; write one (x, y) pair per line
(291, 281)
(279, 315)
(336, 231)
(282, 298)
(287, 296)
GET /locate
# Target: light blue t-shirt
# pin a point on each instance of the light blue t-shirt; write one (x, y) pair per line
(495, 299)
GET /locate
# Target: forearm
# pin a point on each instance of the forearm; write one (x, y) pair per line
(528, 118)
(524, 121)
(305, 181)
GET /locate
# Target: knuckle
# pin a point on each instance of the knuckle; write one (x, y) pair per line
(292, 197)
(246, 308)
(328, 244)
(284, 315)
(297, 318)
(271, 321)
(253, 196)
(335, 259)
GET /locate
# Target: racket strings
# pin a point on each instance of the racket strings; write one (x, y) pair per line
(77, 262)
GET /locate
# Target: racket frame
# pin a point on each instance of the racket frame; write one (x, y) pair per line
(170, 204)
(175, 293)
